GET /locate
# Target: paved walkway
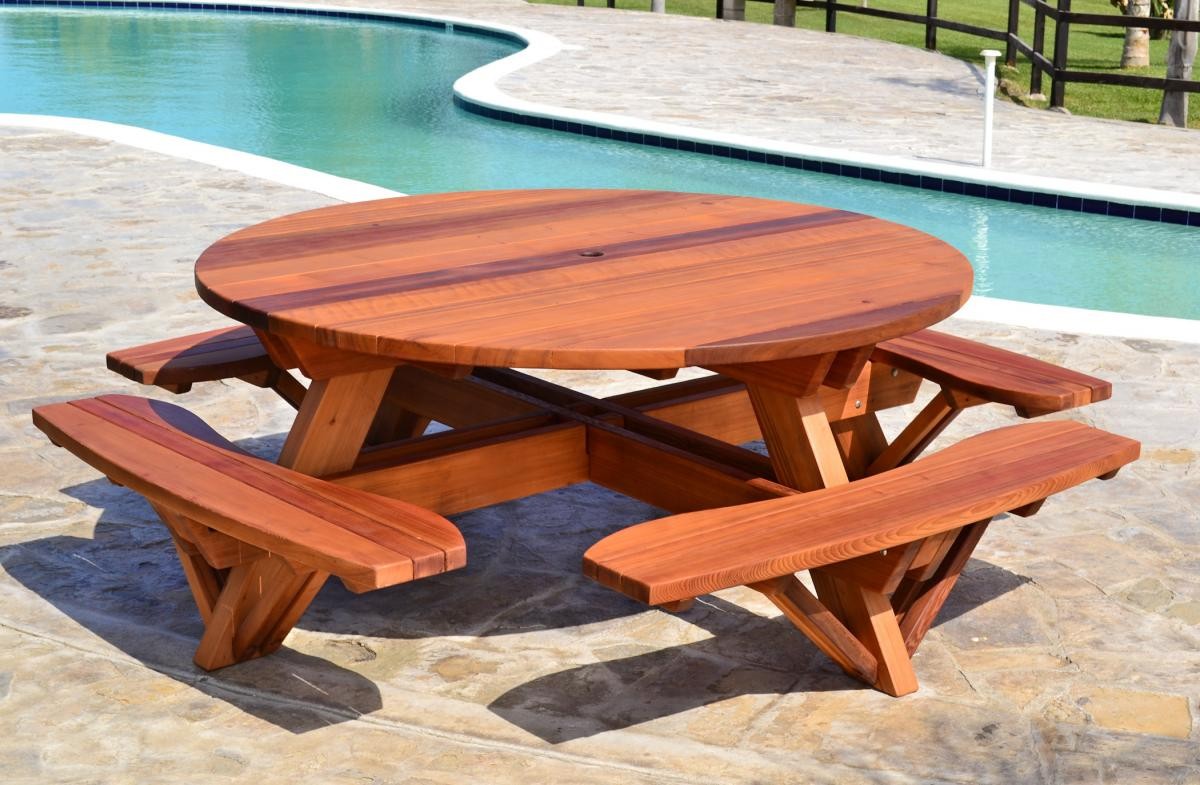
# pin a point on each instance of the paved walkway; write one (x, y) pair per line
(1070, 654)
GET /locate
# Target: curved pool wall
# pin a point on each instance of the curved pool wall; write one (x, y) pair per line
(478, 87)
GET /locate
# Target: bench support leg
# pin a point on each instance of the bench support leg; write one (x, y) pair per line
(869, 616)
(258, 605)
(917, 602)
(249, 603)
(874, 611)
(821, 626)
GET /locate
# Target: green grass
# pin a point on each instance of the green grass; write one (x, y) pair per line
(1092, 48)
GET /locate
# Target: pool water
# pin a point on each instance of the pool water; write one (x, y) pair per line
(372, 101)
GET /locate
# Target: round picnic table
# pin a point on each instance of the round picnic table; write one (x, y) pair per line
(583, 279)
(787, 298)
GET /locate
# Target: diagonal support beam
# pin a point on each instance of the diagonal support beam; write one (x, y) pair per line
(824, 629)
(257, 607)
(918, 603)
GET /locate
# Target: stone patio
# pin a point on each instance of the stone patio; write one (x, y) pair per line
(1069, 654)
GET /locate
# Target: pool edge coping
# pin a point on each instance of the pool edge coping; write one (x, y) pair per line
(540, 46)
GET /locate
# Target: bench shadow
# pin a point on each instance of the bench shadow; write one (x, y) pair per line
(747, 654)
(125, 585)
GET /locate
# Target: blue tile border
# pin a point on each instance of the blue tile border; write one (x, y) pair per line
(924, 182)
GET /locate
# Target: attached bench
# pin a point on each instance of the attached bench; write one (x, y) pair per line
(229, 353)
(972, 373)
(884, 551)
(256, 540)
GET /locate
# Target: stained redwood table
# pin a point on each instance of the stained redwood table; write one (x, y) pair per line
(411, 309)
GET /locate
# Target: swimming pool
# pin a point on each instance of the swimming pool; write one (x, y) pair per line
(371, 101)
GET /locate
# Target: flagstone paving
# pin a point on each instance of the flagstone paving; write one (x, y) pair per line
(1071, 653)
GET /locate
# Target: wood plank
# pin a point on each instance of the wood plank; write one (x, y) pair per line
(478, 472)
(665, 476)
(932, 551)
(583, 407)
(719, 407)
(689, 555)
(877, 572)
(869, 616)
(219, 551)
(929, 423)
(847, 366)
(860, 441)
(458, 404)
(223, 353)
(362, 539)
(319, 362)
(1032, 386)
(584, 279)
(798, 378)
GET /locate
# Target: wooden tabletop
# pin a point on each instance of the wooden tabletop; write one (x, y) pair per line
(584, 278)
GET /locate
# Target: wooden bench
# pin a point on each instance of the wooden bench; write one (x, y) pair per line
(256, 540)
(228, 353)
(884, 551)
(972, 373)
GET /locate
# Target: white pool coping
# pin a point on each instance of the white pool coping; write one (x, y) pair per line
(480, 87)
(341, 188)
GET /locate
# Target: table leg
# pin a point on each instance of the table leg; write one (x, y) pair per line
(800, 443)
(333, 422)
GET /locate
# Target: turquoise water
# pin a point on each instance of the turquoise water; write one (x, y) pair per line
(372, 101)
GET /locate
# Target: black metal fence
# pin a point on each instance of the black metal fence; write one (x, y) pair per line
(1056, 66)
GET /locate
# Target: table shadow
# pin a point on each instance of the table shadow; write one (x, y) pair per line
(125, 585)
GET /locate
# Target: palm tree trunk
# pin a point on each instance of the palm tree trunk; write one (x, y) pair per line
(1137, 39)
(1180, 55)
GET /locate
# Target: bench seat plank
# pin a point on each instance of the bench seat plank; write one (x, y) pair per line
(1031, 386)
(366, 540)
(226, 353)
(688, 555)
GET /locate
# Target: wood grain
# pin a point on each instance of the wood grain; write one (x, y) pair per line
(584, 279)
(225, 353)
(691, 554)
(1031, 386)
(366, 540)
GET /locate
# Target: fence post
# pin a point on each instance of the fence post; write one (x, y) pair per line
(785, 13)
(1039, 46)
(1014, 29)
(830, 16)
(1062, 37)
(930, 26)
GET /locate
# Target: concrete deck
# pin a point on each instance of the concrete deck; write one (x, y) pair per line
(1070, 653)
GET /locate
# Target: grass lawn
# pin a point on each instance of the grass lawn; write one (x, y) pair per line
(1092, 48)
